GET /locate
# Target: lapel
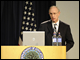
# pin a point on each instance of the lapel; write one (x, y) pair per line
(50, 27)
(60, 28)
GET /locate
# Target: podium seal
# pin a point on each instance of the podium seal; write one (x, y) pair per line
(32, 53)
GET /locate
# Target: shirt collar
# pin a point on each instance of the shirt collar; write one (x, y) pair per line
(56, 23)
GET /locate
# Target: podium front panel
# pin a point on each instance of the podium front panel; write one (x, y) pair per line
(49, 52)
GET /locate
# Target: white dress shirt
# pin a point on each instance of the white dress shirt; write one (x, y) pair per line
(57, 26)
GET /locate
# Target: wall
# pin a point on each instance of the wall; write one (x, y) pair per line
(70, 15)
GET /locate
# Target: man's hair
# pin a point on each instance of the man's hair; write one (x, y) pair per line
(56, 7)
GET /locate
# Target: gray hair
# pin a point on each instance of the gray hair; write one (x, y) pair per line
(56, 7)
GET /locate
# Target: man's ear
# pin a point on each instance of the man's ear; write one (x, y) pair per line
(59, 12)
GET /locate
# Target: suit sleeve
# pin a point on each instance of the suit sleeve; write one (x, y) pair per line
(41, 28)
(69, 39)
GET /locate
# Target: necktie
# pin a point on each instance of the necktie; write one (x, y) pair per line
(55, 27)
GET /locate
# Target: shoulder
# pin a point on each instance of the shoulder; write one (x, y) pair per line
(65, 26)
(63, 23)
(45, 22)
(43, 25)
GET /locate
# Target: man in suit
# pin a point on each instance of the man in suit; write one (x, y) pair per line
(63, 28)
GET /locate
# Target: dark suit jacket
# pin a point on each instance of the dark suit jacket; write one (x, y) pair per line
(65, 31)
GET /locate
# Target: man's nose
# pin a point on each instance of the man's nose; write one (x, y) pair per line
(52, 15)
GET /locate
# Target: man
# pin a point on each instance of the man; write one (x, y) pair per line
(63, 28)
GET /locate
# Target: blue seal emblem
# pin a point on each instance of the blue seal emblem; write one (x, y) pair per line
(32, 53)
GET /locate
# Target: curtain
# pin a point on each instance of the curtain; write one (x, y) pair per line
(12, 15)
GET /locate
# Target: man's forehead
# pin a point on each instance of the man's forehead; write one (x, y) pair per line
(53, 8)
(53, 11)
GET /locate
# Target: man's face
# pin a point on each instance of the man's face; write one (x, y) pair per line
(54, 14)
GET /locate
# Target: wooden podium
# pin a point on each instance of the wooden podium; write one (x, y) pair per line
(49, 52)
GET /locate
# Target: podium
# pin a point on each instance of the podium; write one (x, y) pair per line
(49, 52)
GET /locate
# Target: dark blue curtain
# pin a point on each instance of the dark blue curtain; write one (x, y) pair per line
(12, 15)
